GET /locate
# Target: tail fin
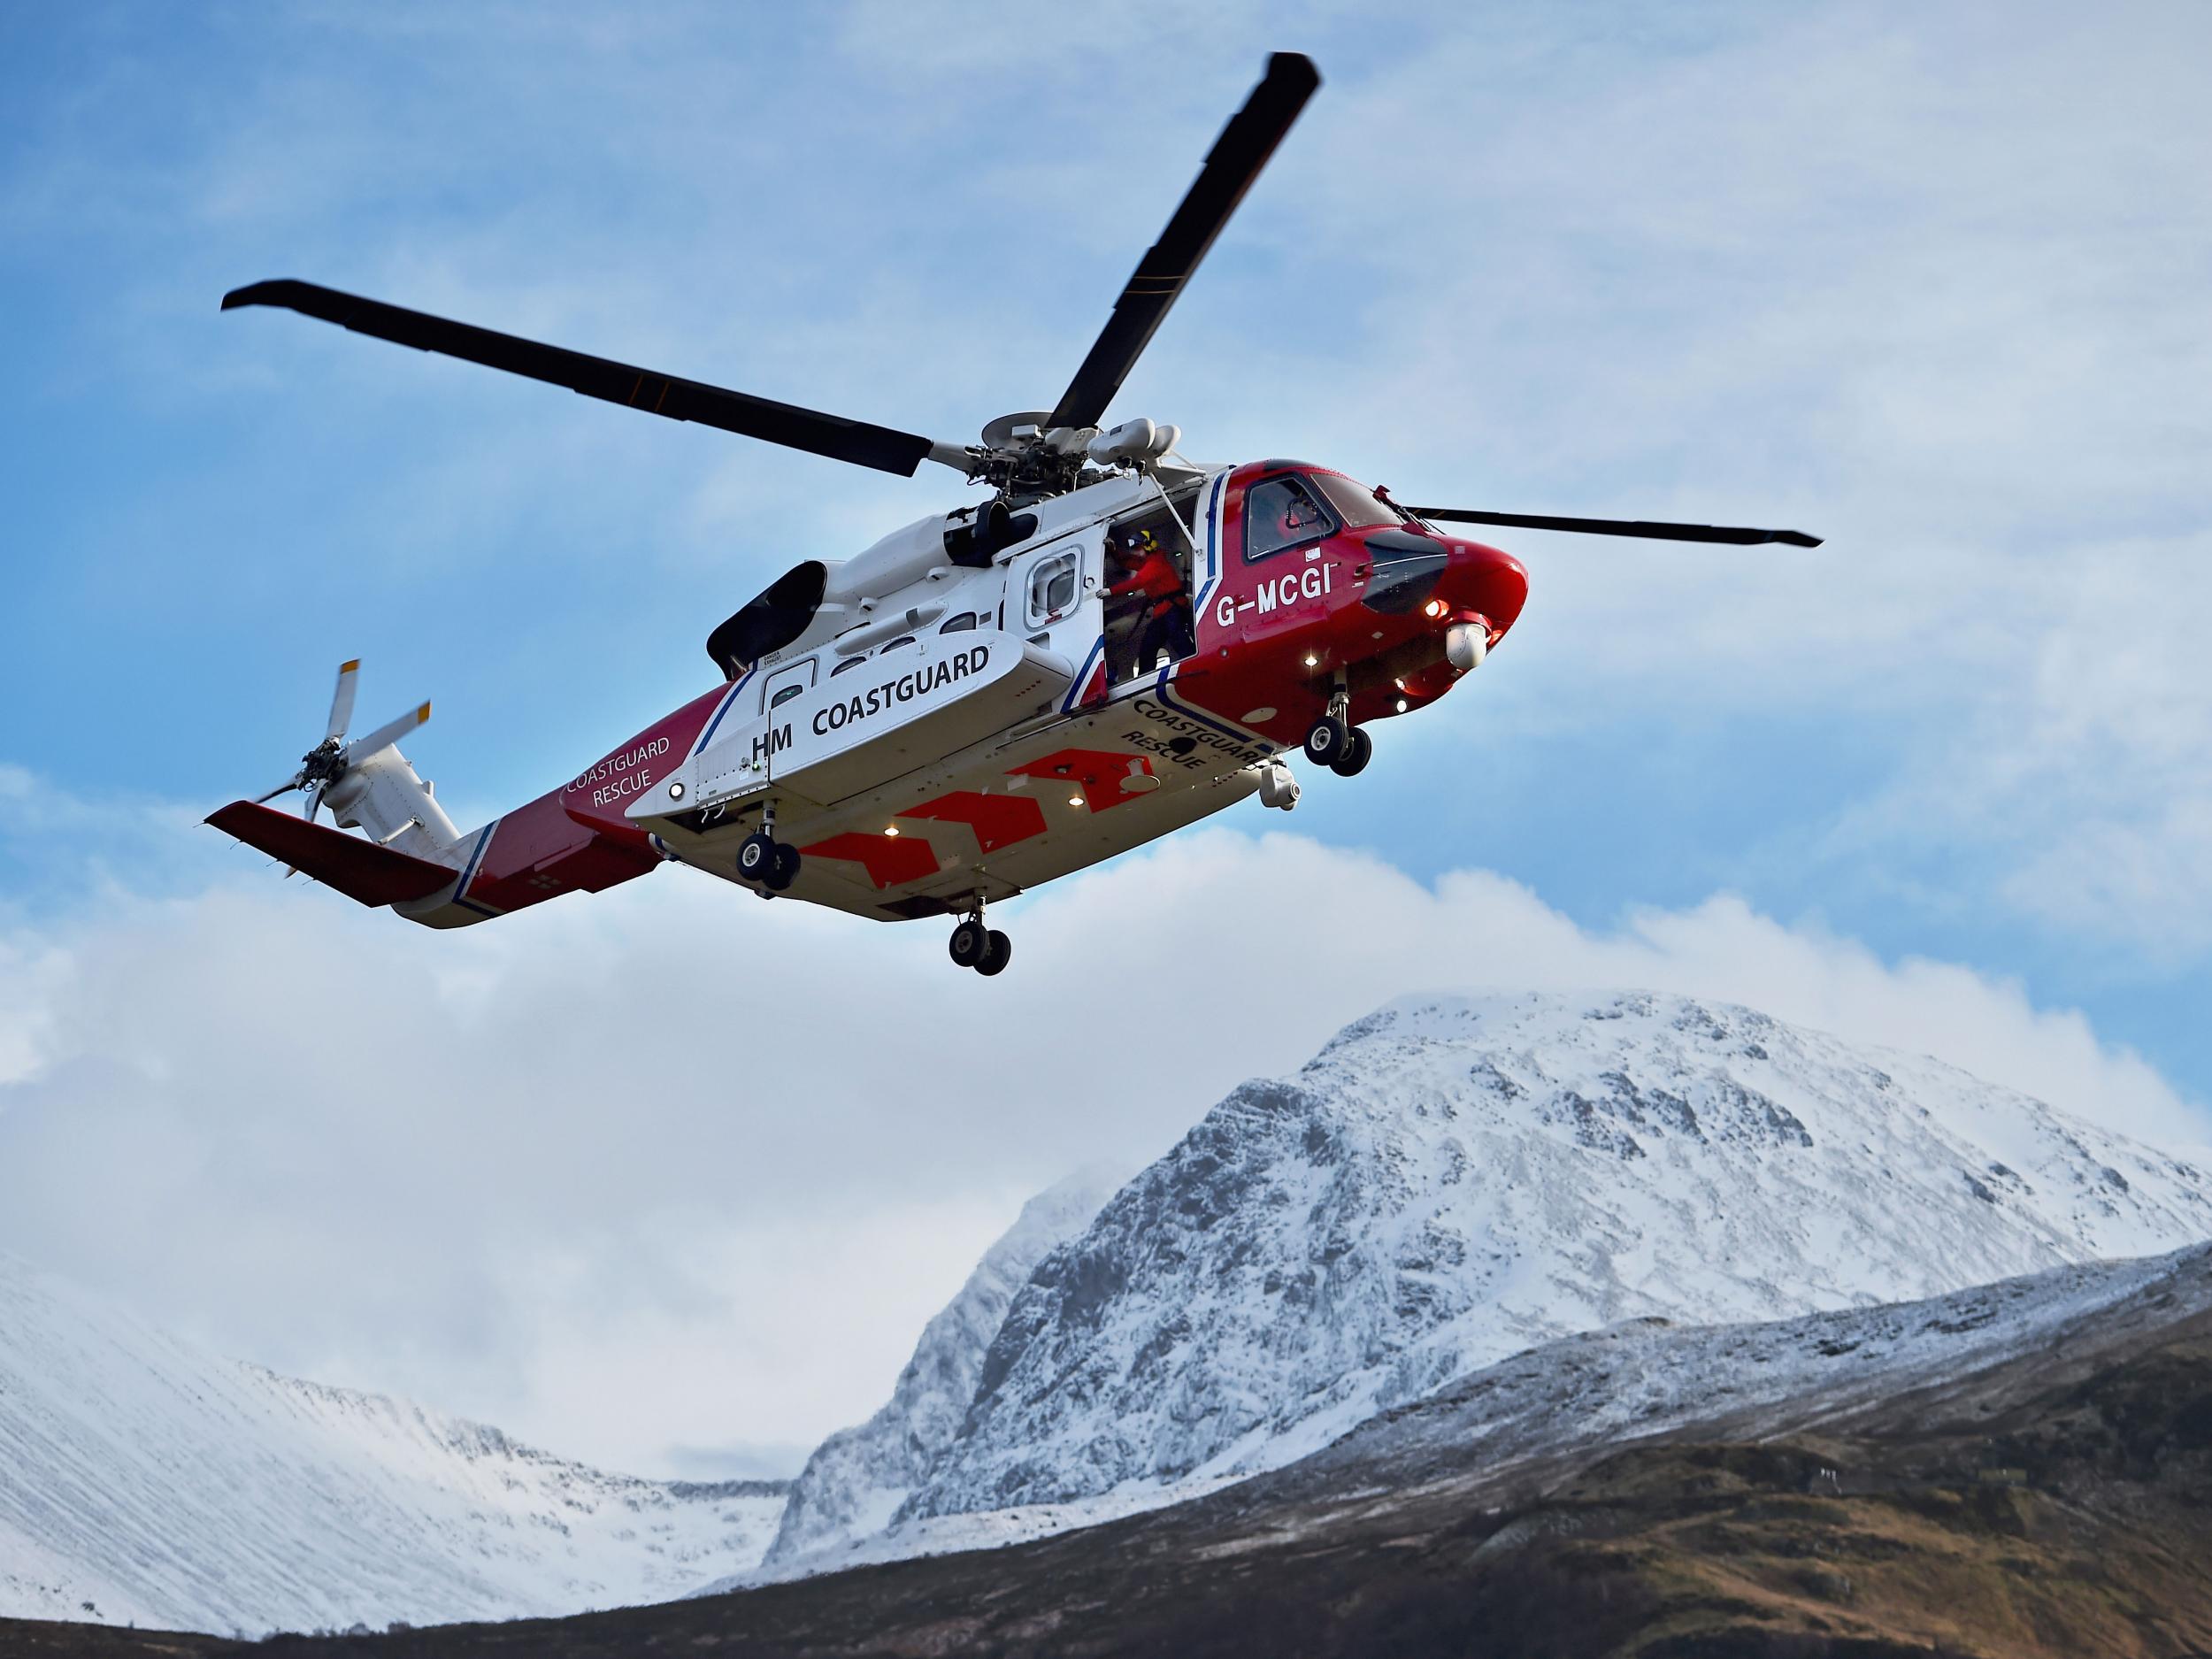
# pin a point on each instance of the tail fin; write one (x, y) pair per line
(365, 873)
(381, 794)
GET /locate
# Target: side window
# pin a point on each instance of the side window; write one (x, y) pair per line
(786, 683)
(1051, 588)
(964, 623)
(850, 661)
(1280, 513)
(901, 643)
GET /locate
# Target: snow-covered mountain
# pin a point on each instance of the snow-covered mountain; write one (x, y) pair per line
(1650, 1377)
(1450, 1182)
(166, 1485)
(857, 1479)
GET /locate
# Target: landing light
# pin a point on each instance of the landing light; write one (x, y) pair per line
(1075, 800)
(890, 829)
(1402, 705)
(1312, 661)
(1434, 608)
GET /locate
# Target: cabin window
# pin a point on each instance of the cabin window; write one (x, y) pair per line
(786, 683)
(1051, 588)
(1283, 512)
(903, 641)
(964, 623)
(850, 661)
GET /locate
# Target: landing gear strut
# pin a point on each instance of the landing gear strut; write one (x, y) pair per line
(762, 859)
(1335, 743)
(986, 949)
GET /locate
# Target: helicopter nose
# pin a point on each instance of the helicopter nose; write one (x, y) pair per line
(1485, 579)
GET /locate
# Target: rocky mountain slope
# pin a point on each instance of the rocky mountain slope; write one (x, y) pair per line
(163, 1485)
(2017, 1470)
(857, 1479)
(1452, 1180)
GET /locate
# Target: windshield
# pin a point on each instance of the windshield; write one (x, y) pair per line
(1357, 502)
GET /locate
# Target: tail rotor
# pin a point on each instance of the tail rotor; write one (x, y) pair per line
(323, 765)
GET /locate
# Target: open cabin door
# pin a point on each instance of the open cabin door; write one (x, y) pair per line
(1052, 600)
(1142, 629)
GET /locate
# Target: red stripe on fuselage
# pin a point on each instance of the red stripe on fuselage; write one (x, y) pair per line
(1097, 772)
(998, 820)
(575, 838)
(891, 860)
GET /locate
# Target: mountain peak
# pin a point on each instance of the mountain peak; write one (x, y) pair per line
(1451, 1179)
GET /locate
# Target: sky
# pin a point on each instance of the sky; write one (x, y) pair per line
(620, 1175)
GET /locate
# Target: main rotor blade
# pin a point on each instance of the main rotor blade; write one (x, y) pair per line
(341, 701)
(384, 735)
(1654, 531)
(883, 448)
(1230, 167)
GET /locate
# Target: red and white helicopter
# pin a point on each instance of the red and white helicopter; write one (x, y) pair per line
(976, 704)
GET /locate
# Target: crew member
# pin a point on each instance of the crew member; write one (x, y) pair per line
(1167, 623)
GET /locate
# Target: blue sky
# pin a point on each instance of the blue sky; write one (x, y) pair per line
(1929, 284)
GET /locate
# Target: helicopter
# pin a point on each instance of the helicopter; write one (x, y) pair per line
(1115, 642)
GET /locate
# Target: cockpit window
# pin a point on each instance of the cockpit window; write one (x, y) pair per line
(1281, 512)
(1359, 506)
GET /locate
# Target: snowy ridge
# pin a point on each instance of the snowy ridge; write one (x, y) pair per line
(1601, 1390)
(1453, 1180)
(857, 1479)
(1645, 1378)
(174, 1488)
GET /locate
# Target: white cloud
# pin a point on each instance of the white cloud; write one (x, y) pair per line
(676, 1167)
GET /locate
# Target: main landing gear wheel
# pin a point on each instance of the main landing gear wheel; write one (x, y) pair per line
(971, 943)
(998, 950)
(1353, 760)
(764, 859)
(757, 857)
(1329, 740)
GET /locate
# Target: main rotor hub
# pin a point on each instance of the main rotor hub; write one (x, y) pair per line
(1026, 459)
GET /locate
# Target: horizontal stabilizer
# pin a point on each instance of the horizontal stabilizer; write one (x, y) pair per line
(364, 871)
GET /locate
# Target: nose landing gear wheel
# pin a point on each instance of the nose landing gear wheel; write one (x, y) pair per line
(998, 950)
(971, 940)
(1330, 738)
(1353, 760)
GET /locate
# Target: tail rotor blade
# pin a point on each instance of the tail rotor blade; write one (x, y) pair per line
(384, 735)
(286, 788)
(1650, 529)
(314, 803)
(341, 701)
